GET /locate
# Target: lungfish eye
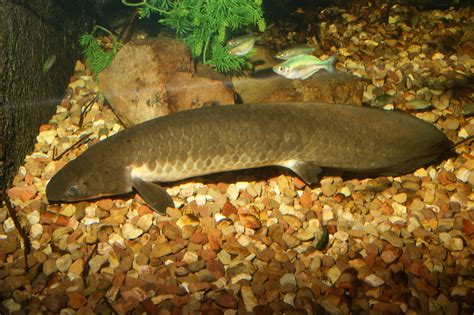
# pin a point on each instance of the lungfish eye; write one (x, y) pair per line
(73, 190)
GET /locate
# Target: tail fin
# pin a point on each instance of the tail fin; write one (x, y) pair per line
(329, 63)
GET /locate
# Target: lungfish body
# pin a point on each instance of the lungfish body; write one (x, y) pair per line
(303, 137)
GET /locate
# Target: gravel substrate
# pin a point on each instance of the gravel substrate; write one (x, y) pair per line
(396, 244)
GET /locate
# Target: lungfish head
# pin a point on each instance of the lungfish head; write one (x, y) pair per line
(88, 177)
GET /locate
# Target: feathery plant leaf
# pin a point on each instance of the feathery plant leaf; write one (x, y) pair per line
(205, 25)
(97, 57)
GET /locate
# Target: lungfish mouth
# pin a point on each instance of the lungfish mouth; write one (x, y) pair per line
(55, 198)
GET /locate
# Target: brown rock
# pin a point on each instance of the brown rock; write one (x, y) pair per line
(161, 250)
(9, 245)
(446, 177)
(198, 238)
(187, 90)
(207, 254)
(214, 237)
(468, 227)
(250, 221)
(387, 308)
(23, 193)
(388, 256)
(159, 80)
(266, 255)
(216, 267)
(196, 265)
(228, 209)
(105, 204)
(205, 275)
(55, 303)
(328, 261)
(49, 266)
(425, 287)
(171, 231)
(226, 300)
(306, 199)
(77, 300)
(336, 88)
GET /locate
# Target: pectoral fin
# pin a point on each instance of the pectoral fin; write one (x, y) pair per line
(153, 194)
(307, 171)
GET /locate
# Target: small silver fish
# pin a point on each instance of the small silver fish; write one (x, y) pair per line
(294, 51)
(49, 63)
(382, 100)
(304, 66)
(242, 45)
(418, 104)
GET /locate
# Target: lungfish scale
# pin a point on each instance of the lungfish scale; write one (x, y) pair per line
(303, 137)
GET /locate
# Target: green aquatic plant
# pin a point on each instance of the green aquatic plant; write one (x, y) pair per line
(205, 25)
(96, 56)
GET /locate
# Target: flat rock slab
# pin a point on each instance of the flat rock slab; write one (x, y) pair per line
(155, 77)
(338, 88)
(266, 86)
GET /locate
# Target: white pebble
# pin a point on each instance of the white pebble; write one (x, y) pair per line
(117, 240)
(271, 221)
(129, 232)
(69, 210)
(232, 192)
(78, 83)
(145, 222)
(449, 166)
(346, 191)
(36, 231)
(463, 133)
(244, 240)
(33, 217)
(8, 225)
(285, 209)
(90, 211)
(47, 136)
(219, 217)
(328, 214)
(463, 174)
(190, 257)
(413, 224)
(90, 221)
(421, 172)
(374, 280)
(174, 191)
(11, 305)
(242, 185)
(341, 235)
(348, 216)
(242, 276)
(200, 200)
(98, 123)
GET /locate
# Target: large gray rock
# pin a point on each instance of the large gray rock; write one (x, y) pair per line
(31, 32)
(156, 76)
